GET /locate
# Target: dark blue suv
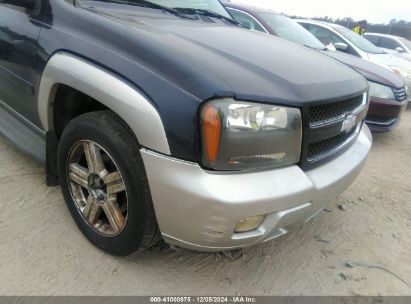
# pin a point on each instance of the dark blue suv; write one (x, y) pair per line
(168, 119)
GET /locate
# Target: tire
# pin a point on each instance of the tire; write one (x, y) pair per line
(120, 223)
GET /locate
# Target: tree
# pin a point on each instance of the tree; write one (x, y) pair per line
(393, 22)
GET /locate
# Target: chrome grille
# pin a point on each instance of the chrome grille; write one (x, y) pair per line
(400, 94)
(332, 111)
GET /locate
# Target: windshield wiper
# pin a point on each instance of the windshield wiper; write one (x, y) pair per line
(205, 12)
(148, 4)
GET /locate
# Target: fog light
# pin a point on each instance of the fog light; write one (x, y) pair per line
(249, 223)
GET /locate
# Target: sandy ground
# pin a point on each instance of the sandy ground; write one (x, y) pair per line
(43, 253)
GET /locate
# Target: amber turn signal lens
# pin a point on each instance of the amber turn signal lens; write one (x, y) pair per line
(211, 132)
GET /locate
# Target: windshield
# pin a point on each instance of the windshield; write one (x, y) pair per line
(211, 5)
(287, 28)
(406, 42)
(359, 41)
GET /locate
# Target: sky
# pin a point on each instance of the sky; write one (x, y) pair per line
(375, 11)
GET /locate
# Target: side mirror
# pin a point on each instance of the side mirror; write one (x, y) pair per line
(330, 47)
(22, 3)
(400, 49)
(341, 46)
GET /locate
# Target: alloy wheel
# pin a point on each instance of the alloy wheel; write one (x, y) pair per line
(97, 188)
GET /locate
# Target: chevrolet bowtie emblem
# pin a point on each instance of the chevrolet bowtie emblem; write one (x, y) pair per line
(348, 123)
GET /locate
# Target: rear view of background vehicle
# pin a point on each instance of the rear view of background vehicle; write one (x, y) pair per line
(345, 40)
(388, 97)
(391, 44)
(174, 122)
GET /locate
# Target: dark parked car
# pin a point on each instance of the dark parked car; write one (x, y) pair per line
(387, 90)
(175, 122)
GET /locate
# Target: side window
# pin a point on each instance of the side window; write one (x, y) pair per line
(325, 36)
(246, 20)
(373, 39)
(388, 43)
(32, 12)
(14, 7)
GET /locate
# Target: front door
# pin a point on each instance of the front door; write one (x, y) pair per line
(18, 48)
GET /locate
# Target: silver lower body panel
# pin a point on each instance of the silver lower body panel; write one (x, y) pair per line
(199, 209)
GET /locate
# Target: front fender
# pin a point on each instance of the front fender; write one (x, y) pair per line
(107, 88)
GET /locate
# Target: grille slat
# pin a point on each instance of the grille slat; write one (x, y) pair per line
(400, 94)
(327, 124)
(320, 149)
(332, 111)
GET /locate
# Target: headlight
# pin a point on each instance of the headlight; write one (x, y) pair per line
(239, 135)
(381, 91)
(402, 72)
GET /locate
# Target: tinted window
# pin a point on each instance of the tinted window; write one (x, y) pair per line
(15, 7)
(287, 28)
(388, 43)
(246, 20)
(359, 41)
(373, 39)
(325, 36)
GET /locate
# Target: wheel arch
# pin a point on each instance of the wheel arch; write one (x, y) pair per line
(64, 69)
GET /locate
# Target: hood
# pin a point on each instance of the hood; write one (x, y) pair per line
(212, 58)
(390, 60)
(371, 71)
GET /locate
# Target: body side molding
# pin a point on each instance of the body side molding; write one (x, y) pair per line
(105, 87)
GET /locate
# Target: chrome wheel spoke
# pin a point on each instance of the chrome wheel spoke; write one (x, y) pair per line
(79, 175)
(97, 188)
(94, 160)
(92, 210)
(114, 214)
(114, 182)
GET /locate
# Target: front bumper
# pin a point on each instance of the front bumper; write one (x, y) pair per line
(199, 210)
(384, 114)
